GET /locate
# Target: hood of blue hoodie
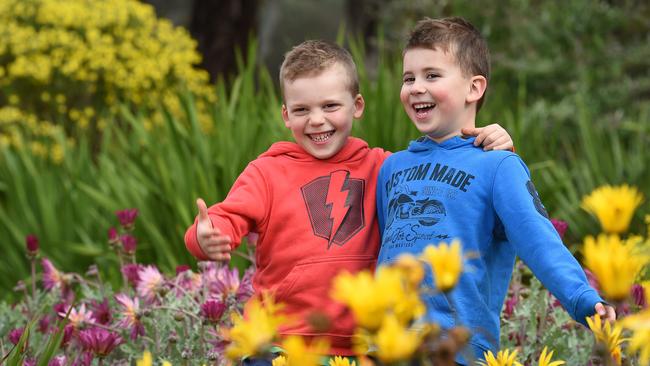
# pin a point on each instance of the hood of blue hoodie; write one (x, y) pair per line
(426, 144)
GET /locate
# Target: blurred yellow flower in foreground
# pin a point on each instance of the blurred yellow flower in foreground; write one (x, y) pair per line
(411, 269)
(279, 361)
(341, 361)
(614, 262)
(370, 297)
(503, 358)
(545, 359)
(254, 334)
(639, 324)
(300, 354)
(607, 335)
(395, 342)
(613, 206)
(147, 360)
(446, 261)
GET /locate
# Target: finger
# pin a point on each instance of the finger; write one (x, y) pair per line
(600, 310)
(480, 137)
(203, 209)
(218, 248)
(470, 131)
(493, 141)
(611, 313)
(504, 146)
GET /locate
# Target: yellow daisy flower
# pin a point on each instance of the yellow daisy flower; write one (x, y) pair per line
(341, 361)
(613, 206)
(608, 336)
(394, 342)
(446, 262)
(545, 359)
(614, 262)
(300, 354)
(503, 358)
(639, 324)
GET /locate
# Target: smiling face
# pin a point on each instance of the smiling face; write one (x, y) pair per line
(319, 111)
(436, 95)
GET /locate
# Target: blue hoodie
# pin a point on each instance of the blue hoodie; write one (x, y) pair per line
(437, 192)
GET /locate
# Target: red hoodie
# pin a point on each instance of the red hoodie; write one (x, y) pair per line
(315, 218)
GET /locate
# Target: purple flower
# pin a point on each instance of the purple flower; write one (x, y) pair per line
(593, 281)
(560, 226)
(15, 334)
(84, 359)
(638, 294)
(113, 236)
(44, 324)
(59, 360)
(510, 304)
(101, 311)
(127, 217)
(60, 307)
(128, 243)
(130, 271)
(99, 341)
(212, 310)
(131, 315)
(68, 332)
(182, 268)
(31, 241)
(29, 362)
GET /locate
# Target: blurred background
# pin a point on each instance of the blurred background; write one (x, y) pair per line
(114, 104)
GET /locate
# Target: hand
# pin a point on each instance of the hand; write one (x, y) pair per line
(214, 244)
(491, 137)
(606, 312)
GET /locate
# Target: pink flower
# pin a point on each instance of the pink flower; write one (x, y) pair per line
(99, 341)
(15, 334)
(84, 359)
(127, 217)
(187, 281)
(638, 294)
(151, 283)
(29, 362)
(129, 243)
(130, 271)
(101, 312)
(31, 242)
(113, 236)
(560, 226)
(44, 324)
(130, 315)
(212, 310)
(79, 318)
(52, 278)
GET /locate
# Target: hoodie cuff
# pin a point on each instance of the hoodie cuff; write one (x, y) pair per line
(585, 305)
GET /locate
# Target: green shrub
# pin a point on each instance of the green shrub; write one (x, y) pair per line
(70, 63)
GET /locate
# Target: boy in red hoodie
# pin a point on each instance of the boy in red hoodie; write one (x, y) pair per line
(312, 201)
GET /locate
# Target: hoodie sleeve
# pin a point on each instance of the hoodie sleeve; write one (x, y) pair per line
(243, 210)
(536, 241)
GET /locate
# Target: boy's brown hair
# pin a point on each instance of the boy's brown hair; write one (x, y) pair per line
(314, 56)
(458, 36)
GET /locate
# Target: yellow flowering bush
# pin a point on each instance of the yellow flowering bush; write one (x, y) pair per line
(70, 63)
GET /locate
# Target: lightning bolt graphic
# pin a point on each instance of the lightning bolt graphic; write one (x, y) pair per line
(337, 198)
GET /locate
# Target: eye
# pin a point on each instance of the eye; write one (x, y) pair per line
(432, 76)
(330, 106)
(299, 110)
(408, 79)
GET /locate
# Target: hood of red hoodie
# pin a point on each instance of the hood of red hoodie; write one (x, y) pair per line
(354, 149)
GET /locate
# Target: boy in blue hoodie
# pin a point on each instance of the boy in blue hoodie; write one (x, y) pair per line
(443, 187)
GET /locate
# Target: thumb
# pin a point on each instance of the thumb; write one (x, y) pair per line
(471, 131)
(203, 209)
(600, 309)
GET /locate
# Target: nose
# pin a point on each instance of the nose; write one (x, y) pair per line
(316, 118)
(417, 87)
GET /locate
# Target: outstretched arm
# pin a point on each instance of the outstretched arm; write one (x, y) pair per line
(212, 242)
(491, 137)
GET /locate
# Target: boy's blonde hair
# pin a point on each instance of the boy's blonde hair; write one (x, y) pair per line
(458, 36)
(310, 58)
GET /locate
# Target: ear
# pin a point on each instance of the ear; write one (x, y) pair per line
(359, 105)
(478, 84)
(285, 116)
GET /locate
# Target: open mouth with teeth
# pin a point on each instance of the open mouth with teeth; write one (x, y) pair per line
(321, 137)
(423, 109)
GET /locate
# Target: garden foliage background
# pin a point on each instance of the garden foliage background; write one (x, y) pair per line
(571, 83)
